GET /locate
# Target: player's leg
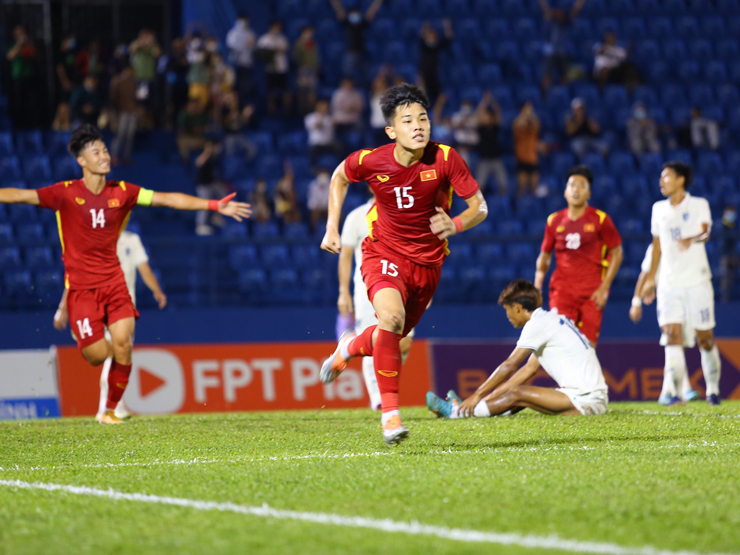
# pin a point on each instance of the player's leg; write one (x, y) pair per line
(700, 300)
(365, 318)
(671, 315)
(541, 399)
(590, 321)
(87, 322)
(104, 373)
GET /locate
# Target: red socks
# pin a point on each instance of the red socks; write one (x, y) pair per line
(387, 362)
(362, 345)
(117, 382)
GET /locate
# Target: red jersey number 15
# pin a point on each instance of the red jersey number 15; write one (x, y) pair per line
(403, 198)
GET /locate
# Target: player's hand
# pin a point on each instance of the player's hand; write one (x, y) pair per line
(331, 242)
(467, 407)
(684, 244)
(60, 319)
(344, 304)
(237, 210)
(648, 291)
(442, 225)
(636, 313)
(161, 299)
(599, 297)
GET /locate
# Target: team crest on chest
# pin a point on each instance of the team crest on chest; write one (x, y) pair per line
(560, 228)
(80, 201)
(383, 178)
(685, 216)
(114, 203)
(589, 228)
(428, 175)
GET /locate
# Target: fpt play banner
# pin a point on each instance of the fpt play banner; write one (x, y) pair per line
(249, 377)
(633, 370)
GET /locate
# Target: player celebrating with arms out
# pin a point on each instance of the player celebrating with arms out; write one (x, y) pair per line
(91, 212)
(680, 226)
(413, 180)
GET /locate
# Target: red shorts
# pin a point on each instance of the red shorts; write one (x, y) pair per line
(90, 310)
(416, 283)
(580, 309)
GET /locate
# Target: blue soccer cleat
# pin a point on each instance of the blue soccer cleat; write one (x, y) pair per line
(691, 395)
(453, 397)
(713, 400)
(438, 406)
(668, 400)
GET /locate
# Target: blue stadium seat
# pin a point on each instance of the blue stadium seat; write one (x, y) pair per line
(604, 185)
(6, 144)
(502, 275)
(304, 256)
(659, 71)
(728, 96)
(631, 225)
(394, 50)
(536, 227)
(621, 162)
(10, 168)
(646, 95)
(234, 168)
(460, 251)
(621, 7)
(489, 253)
(10, 257)
(243, 257)
(679, 155)
(498, 206)
(701, 95)
(710, 163)
(509, 228)
(582, 27)
(508, 50)
(295, 230)
(651, 163)
(66, 168)
(293, 142)
(526, 27)
(531, 94)
(660, 26)
(472, 275)
(595, 161)
(274, 255)
(727, 49)
(462, 74)
(688, 71)
(674, 50)
(49, 281)
(36, 168)
(672, 95)
(700, 50)
(715, 72)
(562, 162)
(606, 25)
(687, 26)
(284, 277)
(634, 28)
(520, 253)
(675, 6)
(724, 185)
(22, 213)
(489, 75)
(713, 27)
(253, 280)
(234, 230)
(512, 8)
(468, 29)
(30, 233)
(30, 142)
(615, 96)
(6, 234)
(58, 141)
(39, 257)
(558, 98)
(634, 185)
(18, 282)
(589, 93)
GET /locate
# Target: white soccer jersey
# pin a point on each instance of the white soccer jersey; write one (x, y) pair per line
(681, 269)
(353, 234)
(131, 254)
(563, 351)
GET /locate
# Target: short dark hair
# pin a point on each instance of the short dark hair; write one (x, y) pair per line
(523, 292)
(81, 137)
(581, 170)
(402, 94)
(682, 170)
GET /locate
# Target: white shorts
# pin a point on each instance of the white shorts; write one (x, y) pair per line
(365, 313)
(692, 307)
(588, 404)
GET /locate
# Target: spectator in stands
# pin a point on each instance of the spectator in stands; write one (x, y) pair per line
(583, 131)
(490, 161)
(222, 85)
(191, 129)
(346, 107)
(526, 136)
(729, 260)
(273, 48)
(558, 24)
(23, 58)
(85, 104)
(177, 75)
(430, 45)
(465, 124)
(199, 78)
(208, 186)
(286, 205)
(442, 131)
(241, 41)
(704, 131)
(123, 101)
(642, 131)
(377, 120)
(609, 60)
(68, 79)
(261, 205)
(354, 31)
(145, 52)
(306, 58)
(320, 128)
(318, 197)
(235, 121)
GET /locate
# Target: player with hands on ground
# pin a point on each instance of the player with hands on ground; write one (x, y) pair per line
(91, 212)
(413, 180)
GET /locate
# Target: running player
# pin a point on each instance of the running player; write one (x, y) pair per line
(133, 257)
(561, 349)
(354, 232)
(91, 213)
(413, 181)
(588, 254)
(680, 226)
(676, 389)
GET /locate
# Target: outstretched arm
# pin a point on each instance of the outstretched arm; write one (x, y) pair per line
(373, 10)
(577, 7)
(19, 196)
(151, 281)
(225, 206)
(337, 193)
(339, 9)
(443, 226)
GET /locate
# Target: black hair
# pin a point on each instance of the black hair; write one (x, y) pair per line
(583, 171)
(682, 170)
(81, 137)
(522, 292)
(402, 94)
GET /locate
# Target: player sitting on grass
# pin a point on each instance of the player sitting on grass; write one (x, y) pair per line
(562, 350)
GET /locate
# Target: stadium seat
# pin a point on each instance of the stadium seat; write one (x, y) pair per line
(651, 163)
(65, 168)
(266, 229)
(472, 275)
(284, 278)
(712, 27)
(304, 256)
(724, 185)
(728, 96)
(727, 49)
(530, 207)
(468, 29)
(6, 144)
(489, 75)
(22, 213)
(520, 253)
(234, 230)
(562, 162)
(6, 234)
(30, 233)
(701, 95)
(631, 225)
(58, 141)
(604, 185)
(715, 72)
(675, 7)
(688, 71)
(18, 282)
(582, 27)
(659, 27)
(615, 96)
(509, 228)
(700, 50)
(243, 257)
(710, 163)
(10, 257)
(594, 161)
(253, 280)
(39, 257)
(49, 281)
(633, 185)
(299, 230)
(606, 25)
(673, 95)
(489, 253)
(634, 28)
(687, 26)
(674, 50)
(621, 162)
(36, 168)
(536, 227)
(274, 255)
(30, 142)
(10, 168)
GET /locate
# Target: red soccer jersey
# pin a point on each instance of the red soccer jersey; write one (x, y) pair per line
(89, 226)
(406, 198)
(581, 248)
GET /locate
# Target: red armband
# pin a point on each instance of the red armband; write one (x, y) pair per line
(458, 224)
(214, 204)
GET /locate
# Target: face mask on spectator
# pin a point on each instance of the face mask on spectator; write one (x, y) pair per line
(354, 18)
(640, 113)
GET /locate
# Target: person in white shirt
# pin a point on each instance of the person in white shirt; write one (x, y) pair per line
(133, 257)
(680, 226)
(320, 128)
(669, 394)
(241, 41)
(354, 232)
(564, 353)
(273, 47)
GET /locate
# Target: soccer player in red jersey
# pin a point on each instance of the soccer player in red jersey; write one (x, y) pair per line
(588, 253)
(91, 213)
(413, 181)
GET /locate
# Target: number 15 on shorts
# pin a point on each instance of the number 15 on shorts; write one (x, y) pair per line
(389, 268)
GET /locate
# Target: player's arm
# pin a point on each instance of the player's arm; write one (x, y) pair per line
(636, 308)
(542, 267)
(500, 375)
(703, 237)
(577, 7)
(344, 303)
(151, 281)
(373, 10)
(443, 226)
(10, 195)
(545, 9)
(520, 377)
(339, 9)
(337, 193)
(181, 201)
(601, 295)
(61, 317)
(648, 288)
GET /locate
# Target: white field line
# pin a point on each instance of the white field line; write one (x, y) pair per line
(383, 525)
(692, 414)
(325, 456)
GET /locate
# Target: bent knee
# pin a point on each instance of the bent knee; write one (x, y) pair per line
(95, 358)
(392, 319)
(706, 343)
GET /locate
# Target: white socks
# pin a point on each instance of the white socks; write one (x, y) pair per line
(386, 416)
(481, 410)
(104, 385)
(674, 370)
(711, 366)
(371, 382)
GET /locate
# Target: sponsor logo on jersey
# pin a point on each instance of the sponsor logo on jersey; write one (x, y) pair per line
(685, 216)
(387, 374)
(80, 201)
(560, 228)
(114, 203)
(589, 228)
(383, 178)
(428, 175)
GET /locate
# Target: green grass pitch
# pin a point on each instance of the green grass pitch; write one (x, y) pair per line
(640, 476)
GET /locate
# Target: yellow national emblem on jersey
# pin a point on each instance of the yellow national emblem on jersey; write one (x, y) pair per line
(560, 228)
(428, 175)
(114, 203)
(383, 178)
(80, 201)
(589, 228)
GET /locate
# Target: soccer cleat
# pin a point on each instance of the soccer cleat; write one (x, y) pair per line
(668, 400)
(713, 400)
(394, 432)
(438, 406)
(691, 395)
(453, 397)
(109, 417)
(335, 364)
